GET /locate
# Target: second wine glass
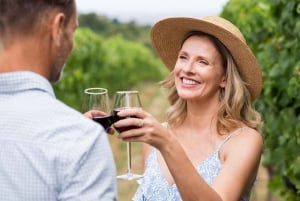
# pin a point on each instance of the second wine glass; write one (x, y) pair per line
(125, 100)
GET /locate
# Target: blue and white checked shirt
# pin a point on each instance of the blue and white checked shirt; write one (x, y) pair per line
(48, 151)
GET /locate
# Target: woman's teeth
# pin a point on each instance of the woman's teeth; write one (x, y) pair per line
(189, 82)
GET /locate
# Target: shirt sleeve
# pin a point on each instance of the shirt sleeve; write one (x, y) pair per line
(89, 171)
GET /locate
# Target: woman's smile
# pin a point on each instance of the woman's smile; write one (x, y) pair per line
(187, 81)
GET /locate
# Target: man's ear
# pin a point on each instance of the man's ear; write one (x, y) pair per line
(57, 28)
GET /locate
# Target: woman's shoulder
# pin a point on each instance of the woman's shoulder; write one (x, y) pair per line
(244, 140)
(248, 134)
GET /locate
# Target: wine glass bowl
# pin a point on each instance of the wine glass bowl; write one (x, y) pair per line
(97, 99)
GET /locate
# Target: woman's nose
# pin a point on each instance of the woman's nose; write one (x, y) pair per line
(188, 67)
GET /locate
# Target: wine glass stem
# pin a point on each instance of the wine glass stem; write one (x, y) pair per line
(128, 157)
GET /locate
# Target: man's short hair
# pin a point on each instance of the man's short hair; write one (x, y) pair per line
(22, 16)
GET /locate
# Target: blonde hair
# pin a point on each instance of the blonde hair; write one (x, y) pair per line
(235, 106)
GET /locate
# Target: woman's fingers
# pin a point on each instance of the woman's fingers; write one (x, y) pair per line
(133, 122)
(137, 112)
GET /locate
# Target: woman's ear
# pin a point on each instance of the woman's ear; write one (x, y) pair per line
(223, 82)
(58, 28)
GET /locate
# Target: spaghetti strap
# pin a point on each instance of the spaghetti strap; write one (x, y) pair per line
(234, 133)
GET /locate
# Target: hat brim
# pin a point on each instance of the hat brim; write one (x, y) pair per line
(168, 34)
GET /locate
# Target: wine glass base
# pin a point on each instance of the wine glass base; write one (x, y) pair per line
(130, 176)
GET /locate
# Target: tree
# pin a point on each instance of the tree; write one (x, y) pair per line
(110, 62)
(272, 28)
(109, 27)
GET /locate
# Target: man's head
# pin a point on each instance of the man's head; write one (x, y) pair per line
(50, 22)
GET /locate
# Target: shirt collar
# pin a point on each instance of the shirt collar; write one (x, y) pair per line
(24, 80)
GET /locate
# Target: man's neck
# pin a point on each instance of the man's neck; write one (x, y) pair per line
(24, 55)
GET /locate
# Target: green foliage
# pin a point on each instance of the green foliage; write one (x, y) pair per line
(272, 28)
(108, 27)
(112, 63)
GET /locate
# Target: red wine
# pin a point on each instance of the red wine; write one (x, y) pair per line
(116, 118)
(105, 121)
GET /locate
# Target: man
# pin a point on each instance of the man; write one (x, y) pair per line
(48, 151)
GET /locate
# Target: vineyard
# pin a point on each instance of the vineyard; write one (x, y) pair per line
(119, 57)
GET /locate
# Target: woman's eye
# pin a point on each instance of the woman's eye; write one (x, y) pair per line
(203, 62)
(182, 57)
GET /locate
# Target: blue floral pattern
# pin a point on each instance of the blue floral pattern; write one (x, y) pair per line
(154, 187)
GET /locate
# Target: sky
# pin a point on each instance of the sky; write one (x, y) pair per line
(150, 11)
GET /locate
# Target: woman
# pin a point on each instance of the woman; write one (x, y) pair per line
(210, 147)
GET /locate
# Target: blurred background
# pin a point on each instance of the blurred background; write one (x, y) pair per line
(113, 50)
(148, 12)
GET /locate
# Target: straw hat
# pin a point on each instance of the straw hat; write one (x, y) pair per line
(168, 34)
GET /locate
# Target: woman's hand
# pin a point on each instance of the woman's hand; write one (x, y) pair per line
(146, 128)
(93, 113)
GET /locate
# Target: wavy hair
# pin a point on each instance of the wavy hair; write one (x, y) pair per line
(235, 106)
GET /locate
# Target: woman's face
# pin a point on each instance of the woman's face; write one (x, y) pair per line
(198, 71)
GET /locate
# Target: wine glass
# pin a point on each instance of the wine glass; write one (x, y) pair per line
(97, 99)
(125, 100)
